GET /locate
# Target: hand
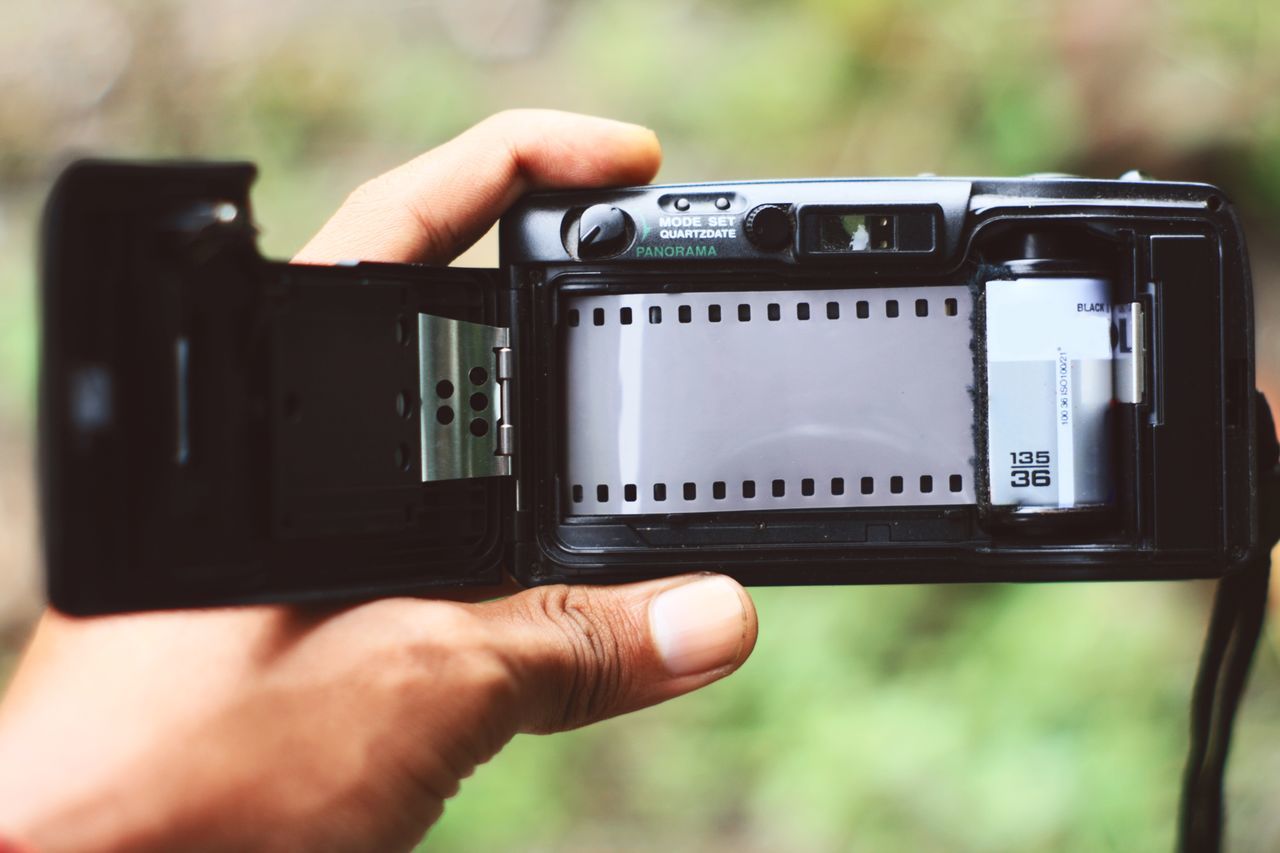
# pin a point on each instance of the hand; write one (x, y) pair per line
(276, 727)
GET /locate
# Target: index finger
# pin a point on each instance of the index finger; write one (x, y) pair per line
(434, 206)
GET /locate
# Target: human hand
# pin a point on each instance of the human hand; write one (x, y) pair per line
(346, 729)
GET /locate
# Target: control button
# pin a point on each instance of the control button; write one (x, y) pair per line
(722, 203)
(1136, 175)
(769, 227)
(682, 204)
(603, 230)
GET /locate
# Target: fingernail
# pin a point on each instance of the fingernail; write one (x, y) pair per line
(698, 626)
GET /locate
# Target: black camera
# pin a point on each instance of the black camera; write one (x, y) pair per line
(791, 382)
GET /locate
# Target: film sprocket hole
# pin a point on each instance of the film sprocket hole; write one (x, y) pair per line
(827, 381)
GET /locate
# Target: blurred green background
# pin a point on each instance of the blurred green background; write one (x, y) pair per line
(960, 718)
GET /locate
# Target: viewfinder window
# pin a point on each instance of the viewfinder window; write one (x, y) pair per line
(858, 232)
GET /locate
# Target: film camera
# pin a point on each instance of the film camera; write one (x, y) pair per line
(793, 382)
(827, 381)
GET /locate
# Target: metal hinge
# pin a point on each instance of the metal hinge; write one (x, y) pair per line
(465, 378)
(506, 430)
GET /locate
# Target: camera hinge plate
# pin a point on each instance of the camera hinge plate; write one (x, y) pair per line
(464, 385)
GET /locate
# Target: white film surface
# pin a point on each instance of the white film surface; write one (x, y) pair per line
(703, 402)
(1049, 381)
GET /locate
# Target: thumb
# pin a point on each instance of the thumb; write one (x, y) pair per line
(580, 654)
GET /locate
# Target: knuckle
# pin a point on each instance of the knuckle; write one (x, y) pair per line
(394, 199)
(595, 678)
(451, 632)
(369, 194)
(452, 645)
(488, 677)
(440, 236)
(506, 121)
(442, 665)
(481, 669)
(516, 132)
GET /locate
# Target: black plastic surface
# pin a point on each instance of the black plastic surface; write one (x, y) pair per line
(218, 428)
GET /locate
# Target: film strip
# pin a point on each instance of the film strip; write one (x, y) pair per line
(737, 401)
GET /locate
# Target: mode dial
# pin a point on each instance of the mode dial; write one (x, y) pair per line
(768, 227)
(603, 231)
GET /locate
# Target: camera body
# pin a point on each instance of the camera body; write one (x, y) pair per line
(791, 382)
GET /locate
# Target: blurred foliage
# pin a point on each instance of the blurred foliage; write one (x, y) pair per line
(921, 718)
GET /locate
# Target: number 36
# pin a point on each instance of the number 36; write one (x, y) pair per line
(1037, 477)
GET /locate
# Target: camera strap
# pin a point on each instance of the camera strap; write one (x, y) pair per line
(1235, 626)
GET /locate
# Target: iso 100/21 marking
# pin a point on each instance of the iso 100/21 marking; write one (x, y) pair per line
(1030, 468)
